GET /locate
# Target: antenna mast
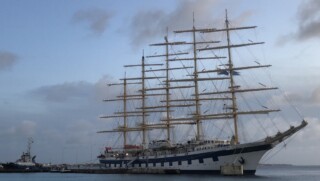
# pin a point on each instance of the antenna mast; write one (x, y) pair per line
(30, 141)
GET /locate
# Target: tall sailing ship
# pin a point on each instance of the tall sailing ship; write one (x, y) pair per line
(173, 103)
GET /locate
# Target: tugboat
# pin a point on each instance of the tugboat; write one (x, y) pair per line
(26, 163)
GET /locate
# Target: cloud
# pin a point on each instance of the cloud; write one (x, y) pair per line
(312, 99)
(79, 132)
(64, 92)
(96, 19)
(148, 24)
(297, 103)
(66, 123)
(75, 91)
(298, 97)
(315, 96)
(75, 101)
(308, 19)
(309, 30)
(7, 60)
(284, 97)
(22, 129)
(103, 91)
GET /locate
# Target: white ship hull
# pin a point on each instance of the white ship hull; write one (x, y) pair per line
(200, 161)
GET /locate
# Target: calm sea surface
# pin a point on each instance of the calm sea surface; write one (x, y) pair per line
(286, 173)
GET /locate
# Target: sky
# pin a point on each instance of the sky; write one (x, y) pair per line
(56, 58)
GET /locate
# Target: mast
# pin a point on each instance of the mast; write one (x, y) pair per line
(196, 88)
(125, 111)
(143, 101)
(195, 78)
(232, 84)
(124, 98)
(230, 71)
(167, 87)
(142, 111)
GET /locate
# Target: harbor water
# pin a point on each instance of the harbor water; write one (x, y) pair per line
(284, 172)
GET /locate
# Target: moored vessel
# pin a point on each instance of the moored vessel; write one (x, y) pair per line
(196, 99)
(26, 162)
